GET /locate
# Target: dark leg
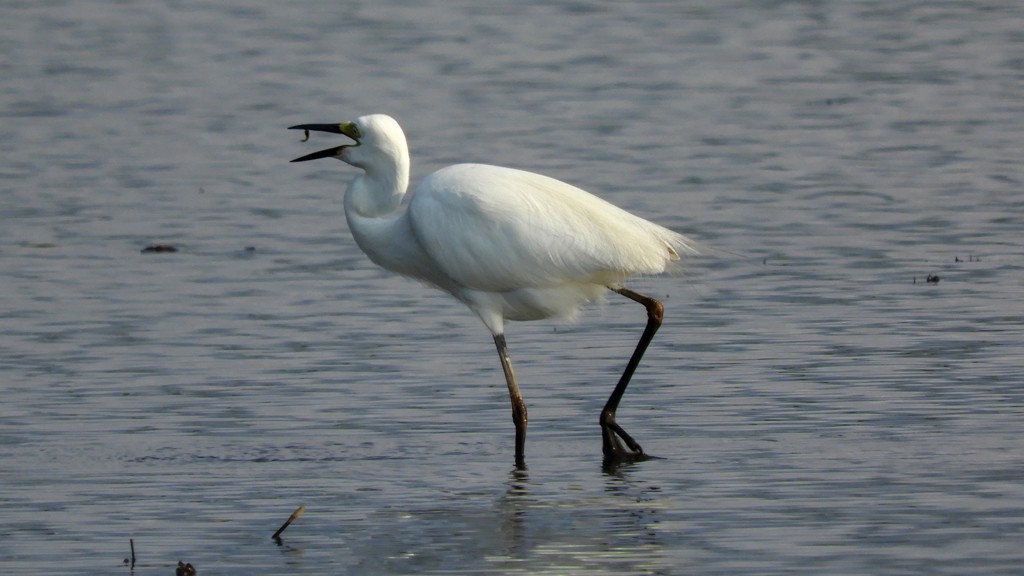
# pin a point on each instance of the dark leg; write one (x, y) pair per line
(518, 406)
(611, 432)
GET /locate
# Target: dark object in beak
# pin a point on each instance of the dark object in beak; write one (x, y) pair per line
(333, 129)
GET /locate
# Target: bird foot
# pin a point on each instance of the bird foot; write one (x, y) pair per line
(613, 437)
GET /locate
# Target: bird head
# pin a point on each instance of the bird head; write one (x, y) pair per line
(379, 142)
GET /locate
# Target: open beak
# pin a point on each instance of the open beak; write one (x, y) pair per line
(345, 129)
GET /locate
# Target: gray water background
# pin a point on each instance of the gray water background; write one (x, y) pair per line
(820, 408)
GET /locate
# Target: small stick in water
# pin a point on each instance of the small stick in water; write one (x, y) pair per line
(131, 542)
(298, 512)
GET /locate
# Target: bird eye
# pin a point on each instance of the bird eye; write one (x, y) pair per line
(351, 130)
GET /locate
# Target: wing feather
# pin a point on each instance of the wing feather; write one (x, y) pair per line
(498, 229)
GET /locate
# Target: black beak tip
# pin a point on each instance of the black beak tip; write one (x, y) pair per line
(328, 153)
(332, 128)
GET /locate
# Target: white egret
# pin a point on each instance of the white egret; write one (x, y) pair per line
(511, 245)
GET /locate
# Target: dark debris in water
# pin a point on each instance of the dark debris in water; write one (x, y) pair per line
(298, 512)
(159, 249)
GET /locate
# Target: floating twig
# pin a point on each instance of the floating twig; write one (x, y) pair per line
(298, 512)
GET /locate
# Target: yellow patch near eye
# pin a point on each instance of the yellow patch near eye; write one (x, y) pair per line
(349, 129)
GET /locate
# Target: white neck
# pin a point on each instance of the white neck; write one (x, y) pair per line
(380, 225)
(374, 196)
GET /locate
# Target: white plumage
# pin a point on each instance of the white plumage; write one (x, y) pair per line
(509, 244)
